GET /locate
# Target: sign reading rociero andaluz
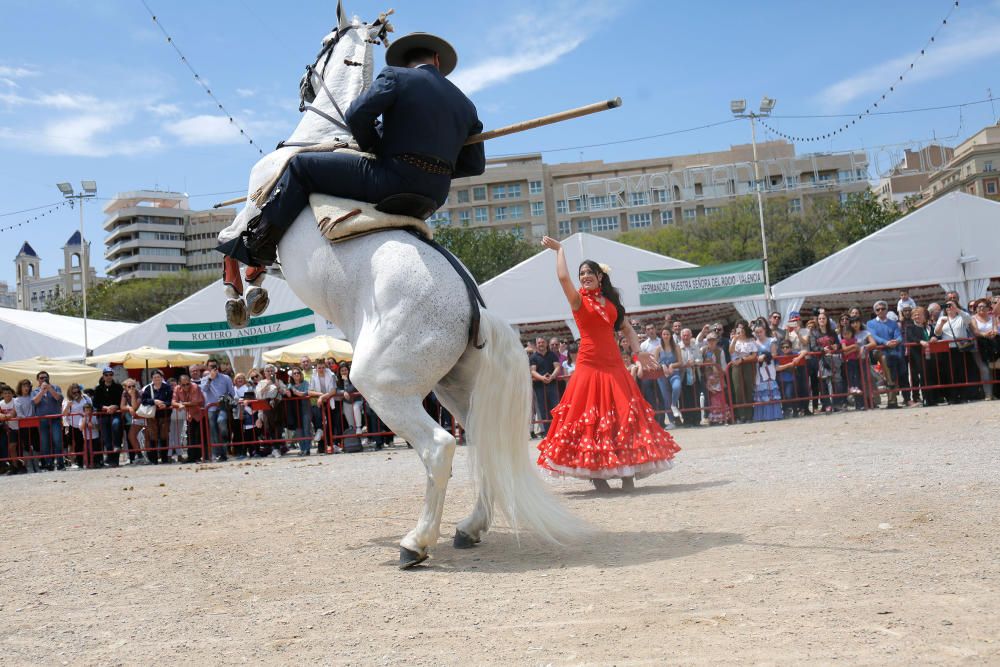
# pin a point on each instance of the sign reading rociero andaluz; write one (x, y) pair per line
(259, 331)
(720, 282)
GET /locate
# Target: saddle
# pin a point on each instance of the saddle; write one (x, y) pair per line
(342, 219)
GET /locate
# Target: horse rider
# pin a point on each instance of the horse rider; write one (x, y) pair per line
(419, 146)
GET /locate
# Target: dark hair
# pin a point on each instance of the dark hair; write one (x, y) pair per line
(608, 290)
(419, 54)
(24, 382)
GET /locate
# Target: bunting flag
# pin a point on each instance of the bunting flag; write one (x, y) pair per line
(34, 218)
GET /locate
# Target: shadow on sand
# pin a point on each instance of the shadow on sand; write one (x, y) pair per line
(500, 552)
(640, 490)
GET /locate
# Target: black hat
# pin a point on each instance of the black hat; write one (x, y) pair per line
(396, 53)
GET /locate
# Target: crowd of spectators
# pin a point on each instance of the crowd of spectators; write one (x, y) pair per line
(265, 412)
(813, 361)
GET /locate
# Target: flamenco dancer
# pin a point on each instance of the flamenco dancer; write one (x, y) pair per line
(602, 428)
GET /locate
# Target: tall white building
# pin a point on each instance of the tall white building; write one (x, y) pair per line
(35, 291)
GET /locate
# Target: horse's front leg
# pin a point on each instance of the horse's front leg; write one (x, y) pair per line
(257, 298)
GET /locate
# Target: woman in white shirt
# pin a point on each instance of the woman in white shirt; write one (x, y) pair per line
(77, 410)
(984, 329)
(743, 351)
(951, 326)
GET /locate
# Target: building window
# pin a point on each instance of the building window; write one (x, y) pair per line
(517, 231)
(500, 213)
(514, 191)
(534, 187)
(499, 192)
(439, 218)
(988, 165)
(638, 199)
(666, 217)
(598, 203)
(637, 220)
(564, 228)
(516, 212)
(561, 206)
(578, 204)
(660, 196)
(482, 214)
(462, 196)
(844, 198)
(825, 177)
(538, 208)
(990, 186)
(712, 210)
(795, 205)
(479, 193)
(608, 223)
(463, 217)
(845, 176)
(792, 182)
(689, 214)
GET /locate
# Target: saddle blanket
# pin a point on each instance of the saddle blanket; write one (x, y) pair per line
(341, 219)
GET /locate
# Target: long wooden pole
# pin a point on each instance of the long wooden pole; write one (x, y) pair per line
(512, 129)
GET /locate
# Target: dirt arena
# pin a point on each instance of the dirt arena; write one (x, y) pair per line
(863, 538)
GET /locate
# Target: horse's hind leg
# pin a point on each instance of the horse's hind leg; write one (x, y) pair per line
(257, 298)
(405, 416)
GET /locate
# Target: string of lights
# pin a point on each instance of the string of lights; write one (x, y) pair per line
(872, 108)
(201, 81)
(27, 221)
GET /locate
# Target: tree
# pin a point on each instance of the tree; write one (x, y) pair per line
(485, 251)
(132, 300)
(864, 213)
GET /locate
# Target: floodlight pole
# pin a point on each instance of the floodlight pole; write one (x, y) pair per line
(84, 259)
(759, 187)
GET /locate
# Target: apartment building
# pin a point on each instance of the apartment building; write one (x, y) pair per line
(152, 233)
(908, 177)
(974, 168)
(525, 195)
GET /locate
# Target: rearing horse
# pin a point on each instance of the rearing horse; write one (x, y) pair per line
(406, 312)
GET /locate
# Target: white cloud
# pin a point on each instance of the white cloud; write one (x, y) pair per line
(967, 42)
(204, 130)
(525, 48)
(164, 110)
(9, 72)
(245, 92)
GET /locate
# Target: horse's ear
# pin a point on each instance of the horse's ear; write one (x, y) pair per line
(342, 21)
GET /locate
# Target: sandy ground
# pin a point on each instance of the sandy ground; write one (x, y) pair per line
(861, 538)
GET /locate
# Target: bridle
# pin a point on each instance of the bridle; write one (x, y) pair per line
(317, 72)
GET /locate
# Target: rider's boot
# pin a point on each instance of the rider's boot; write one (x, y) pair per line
(236, 308)
(257, 298)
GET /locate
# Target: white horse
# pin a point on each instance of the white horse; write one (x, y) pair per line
(407, 313)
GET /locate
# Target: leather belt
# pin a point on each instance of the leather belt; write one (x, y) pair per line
(428, 164)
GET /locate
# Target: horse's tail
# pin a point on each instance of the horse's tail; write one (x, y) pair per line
(498, 423)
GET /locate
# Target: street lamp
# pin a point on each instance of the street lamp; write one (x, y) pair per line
(89, 192)
(739, 109)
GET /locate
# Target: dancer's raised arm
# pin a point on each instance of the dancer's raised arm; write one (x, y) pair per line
(562, 272)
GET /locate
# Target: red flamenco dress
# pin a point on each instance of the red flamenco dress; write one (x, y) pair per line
(602, 427)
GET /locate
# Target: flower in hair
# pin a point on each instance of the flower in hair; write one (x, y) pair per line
(605, 268)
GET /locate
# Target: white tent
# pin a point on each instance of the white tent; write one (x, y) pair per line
(529, 292)
(25, 334)
(953, 242)
(198, 324)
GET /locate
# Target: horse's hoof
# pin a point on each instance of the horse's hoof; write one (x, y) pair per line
(236, 314)
(408, 558)
(464, 540)
(257, 301)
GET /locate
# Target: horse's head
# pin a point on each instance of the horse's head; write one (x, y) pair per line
(345, 63)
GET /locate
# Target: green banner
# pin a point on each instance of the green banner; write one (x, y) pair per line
(720, 282)
(259, 331)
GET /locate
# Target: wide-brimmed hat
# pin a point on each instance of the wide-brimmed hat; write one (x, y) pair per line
(396, 53)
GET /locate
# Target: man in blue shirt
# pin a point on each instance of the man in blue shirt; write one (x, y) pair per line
(886, 333)
(48, 399)
(215, 386)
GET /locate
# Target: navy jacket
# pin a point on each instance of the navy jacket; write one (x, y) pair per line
(423, 113)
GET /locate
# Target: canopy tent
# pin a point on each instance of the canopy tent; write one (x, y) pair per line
(197, 324)
(61, 373)
(953, 242)
(25, 334)
(529, 292)
(149, 357)
(320, 347)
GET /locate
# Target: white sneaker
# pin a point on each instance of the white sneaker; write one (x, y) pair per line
(675, 411)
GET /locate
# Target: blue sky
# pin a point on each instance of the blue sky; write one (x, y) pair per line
(89, 89)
